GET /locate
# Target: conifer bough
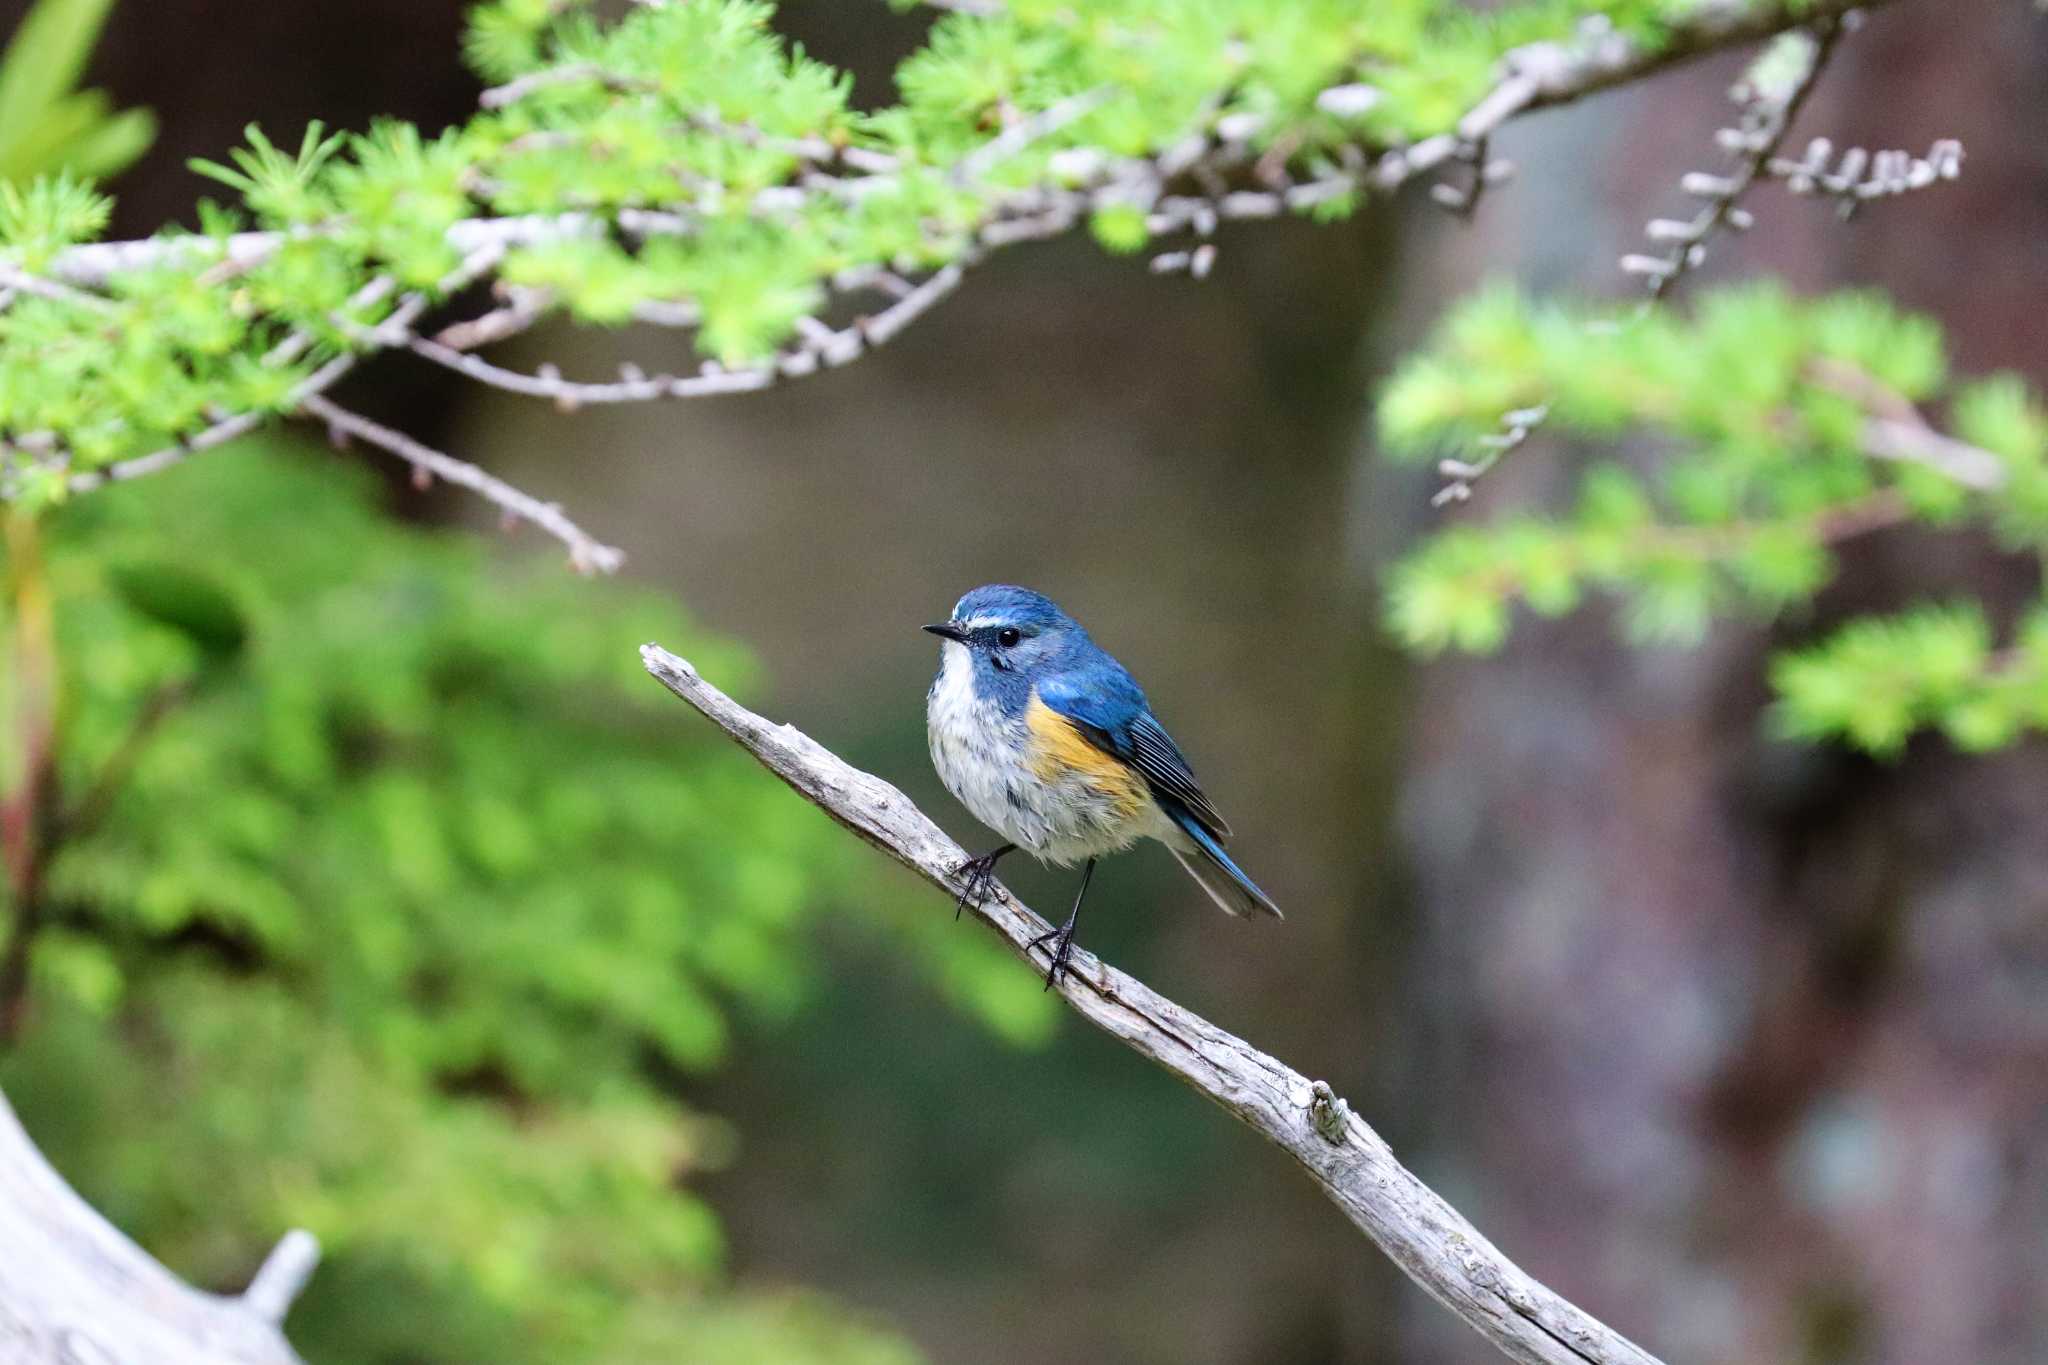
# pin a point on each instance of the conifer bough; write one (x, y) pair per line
(683, 166)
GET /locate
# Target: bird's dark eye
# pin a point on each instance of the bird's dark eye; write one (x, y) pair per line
(1008, 635)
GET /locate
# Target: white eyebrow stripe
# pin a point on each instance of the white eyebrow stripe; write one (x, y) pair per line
(981, 621)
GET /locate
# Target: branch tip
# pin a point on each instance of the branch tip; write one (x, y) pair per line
(282, 1276)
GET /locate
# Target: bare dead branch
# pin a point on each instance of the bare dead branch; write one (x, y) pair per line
(282, 1276)
(72, 1288)
(1426, 1237)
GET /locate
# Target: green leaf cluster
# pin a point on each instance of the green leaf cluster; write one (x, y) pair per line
(1753, 418)
(1877, 681)
(403, 921)
(701, 112)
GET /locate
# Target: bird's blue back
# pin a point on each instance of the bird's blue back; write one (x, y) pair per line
(1052, 686)
(1076, 678)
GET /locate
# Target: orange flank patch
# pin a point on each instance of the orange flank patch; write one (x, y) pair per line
(1061, 753)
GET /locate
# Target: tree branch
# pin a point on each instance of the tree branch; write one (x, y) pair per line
(1770, 100)
(1087, 180)
(1538, 76)
(72, 1288)
(1426, 1237)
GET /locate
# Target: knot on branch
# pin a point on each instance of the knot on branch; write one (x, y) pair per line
(1328, 1112)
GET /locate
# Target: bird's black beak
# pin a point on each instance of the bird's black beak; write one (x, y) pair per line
(949, 631)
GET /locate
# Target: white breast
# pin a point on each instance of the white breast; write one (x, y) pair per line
(982, 757)
(978, 751)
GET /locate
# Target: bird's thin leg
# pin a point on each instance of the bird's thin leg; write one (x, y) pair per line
(980, 875)
(1062, 938)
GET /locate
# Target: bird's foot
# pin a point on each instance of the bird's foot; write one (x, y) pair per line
(1060, 953)
(978, 877)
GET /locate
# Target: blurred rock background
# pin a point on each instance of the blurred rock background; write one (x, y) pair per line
(1742, 1046)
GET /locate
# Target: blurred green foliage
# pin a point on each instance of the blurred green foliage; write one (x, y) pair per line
(1759, 408)
(45, 121)
(393, 901)
(386, 896)
(405, 920)
(702, 113)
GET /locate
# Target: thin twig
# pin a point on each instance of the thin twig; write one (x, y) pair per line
(1767, 116)
(1858, 175)
(1462, 201)
(1917, 443)
(18, 281)
(576, 73)
(1462, 474)
(829, 349)
(526, 307)
(587, 554)
(1023, 133)
(220, 433)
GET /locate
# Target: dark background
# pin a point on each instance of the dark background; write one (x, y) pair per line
(1742, 1046)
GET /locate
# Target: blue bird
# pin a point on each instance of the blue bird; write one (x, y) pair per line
(1048, 741)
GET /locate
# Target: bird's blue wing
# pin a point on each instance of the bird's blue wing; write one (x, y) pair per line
(1109, 709)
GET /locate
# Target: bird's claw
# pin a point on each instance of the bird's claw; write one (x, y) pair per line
(1061, 954)
(978, 878)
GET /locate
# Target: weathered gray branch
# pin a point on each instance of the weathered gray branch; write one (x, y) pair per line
(1426, 1237)
(74, 1291)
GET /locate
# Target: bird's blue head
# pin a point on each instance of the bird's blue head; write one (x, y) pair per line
(1010, 634)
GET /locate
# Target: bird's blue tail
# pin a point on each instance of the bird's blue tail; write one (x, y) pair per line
(1224, 880)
